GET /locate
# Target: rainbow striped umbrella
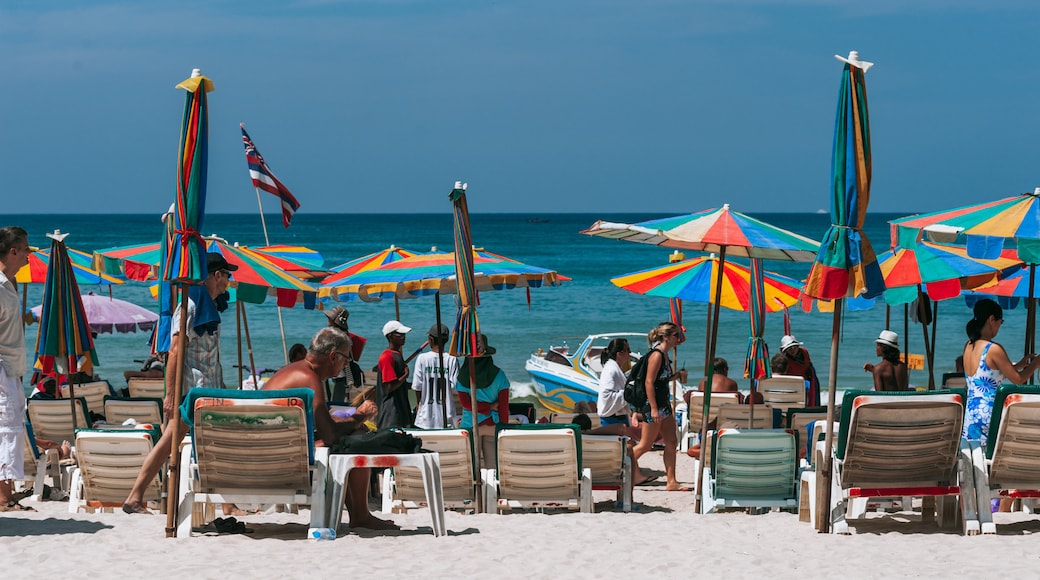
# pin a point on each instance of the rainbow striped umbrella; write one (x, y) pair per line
(139, 262)
(35, 272)
(257, 276)
(300, 261)
(943, 271)
(64, 343)
(369, 262)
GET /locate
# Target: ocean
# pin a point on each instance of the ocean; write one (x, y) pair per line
(586, 304)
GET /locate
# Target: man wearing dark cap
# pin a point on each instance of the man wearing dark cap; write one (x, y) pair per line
(351, 375)
(434, 378)
(200, 365)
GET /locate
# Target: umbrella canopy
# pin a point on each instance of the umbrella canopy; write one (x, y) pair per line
(106, 315)
(695, 280)
(712, 230)
(138, 262)
(369, 262)
(257, 276)
(300, 261)
(35, 272)
(64, 344)
(943, 271)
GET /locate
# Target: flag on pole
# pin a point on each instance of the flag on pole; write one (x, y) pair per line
(264, 179)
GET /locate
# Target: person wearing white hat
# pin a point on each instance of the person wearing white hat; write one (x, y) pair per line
(891, 374)
(799, 364)
(392, 388)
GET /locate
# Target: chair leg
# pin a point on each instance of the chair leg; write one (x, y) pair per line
(983, 493)
(585, 491)
(75, 491)
(837, 512)
(388, 493)
(969, 509)
(185, 495)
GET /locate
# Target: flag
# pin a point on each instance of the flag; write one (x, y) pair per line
(264, 179)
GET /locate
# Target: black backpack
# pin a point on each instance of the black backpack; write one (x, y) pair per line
(635, 385)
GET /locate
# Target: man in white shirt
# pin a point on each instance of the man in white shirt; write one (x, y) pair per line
(14, 253)
(437, 396)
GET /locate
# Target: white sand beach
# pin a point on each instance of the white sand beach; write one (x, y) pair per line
(663, 539)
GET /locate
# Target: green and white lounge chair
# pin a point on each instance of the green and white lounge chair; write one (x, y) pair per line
(109, 462)
(539, 466)
(143, 387)
(607, 458)
(140, 409)
(52, 418)
(782, 391)
(691, 427)
(93, 393)
(751, 469)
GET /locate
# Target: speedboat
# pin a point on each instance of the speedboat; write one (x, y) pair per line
(563, 377)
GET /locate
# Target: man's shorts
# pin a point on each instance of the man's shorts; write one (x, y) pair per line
(12, 455)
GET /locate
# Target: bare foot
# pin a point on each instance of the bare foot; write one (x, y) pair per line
(675, 487)
(66, 450)
(646, 480)
(374, 523)
(234, 510)
(135, 507)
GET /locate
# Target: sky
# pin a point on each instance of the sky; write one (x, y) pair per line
(375, 106)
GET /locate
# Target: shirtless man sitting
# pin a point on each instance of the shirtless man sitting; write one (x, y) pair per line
(328, 353)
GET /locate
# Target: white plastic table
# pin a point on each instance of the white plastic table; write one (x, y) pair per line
(429, 465)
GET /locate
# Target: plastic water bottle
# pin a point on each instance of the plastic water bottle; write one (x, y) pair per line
(321, 534)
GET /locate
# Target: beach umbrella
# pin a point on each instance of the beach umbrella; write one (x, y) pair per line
(985, 229)
(106, 315)
(846, 265)
(258, 276)
(300, 261)
(368, 262)
(465, 335)
(721, 231)
(35, 272)
(184, 260)
(64, 344)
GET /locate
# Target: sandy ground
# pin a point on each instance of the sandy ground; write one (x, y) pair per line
(664, 538)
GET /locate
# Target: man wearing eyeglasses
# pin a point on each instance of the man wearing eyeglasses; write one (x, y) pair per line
(392, 388)
(14, 253)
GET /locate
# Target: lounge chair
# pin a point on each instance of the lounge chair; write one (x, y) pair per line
(109, 462)
(1009, 465)
(691, 428)
(143, 387)
(607, 458)
(252, 447)
(40, 464)
(798, 419)
(751, 469)
(93, 393)
(539, 466)
(807, 494)
(140, 409)
(403, 487)
(52, 419)
(733, 416)
(567, 418)
(903, 444)
(782, 391)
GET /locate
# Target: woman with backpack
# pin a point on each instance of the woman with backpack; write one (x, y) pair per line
(658, 419)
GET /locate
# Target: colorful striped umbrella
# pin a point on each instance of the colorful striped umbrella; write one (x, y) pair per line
(756, 364)
(257, 276)
(35, 272)
(943, 271)
(369, 262)
(846, 265)
(139, 262)
(64, 344)
(300, 261)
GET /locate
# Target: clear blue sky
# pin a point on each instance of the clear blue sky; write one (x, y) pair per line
(541, 105)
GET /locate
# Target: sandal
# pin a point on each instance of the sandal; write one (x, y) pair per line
(223, 526)
(14, 506)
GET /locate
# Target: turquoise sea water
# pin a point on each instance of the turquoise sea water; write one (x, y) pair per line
(587, 304)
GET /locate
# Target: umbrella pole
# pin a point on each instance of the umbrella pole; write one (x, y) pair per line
(1031, 316)
(478, 448)
(249, 349)
(72, 390)
(888, 317)
(709, 370)
(397, 308)
(924, 328)
(931, 356)
(173, 481)
(238, 332)
(25, 302)
(823, 501)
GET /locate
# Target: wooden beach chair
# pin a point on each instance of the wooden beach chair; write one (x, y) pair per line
(782, 391)
(1009, 464)
(144, 387)
(751, 469)
(403, 487)
(109, 462)
(539, 466)
(903, 444)
(606, 457)
(691, 428)
(52, 419)
(140, 409)
(253, 447)
(93, 393)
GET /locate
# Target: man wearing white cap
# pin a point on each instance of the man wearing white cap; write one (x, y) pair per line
(891, 373)
(392, 388)
(800, 365)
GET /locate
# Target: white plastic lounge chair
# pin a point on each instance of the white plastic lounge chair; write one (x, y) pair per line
(140, 409)
(903, 444)
(691, 428)
(403, 487)
(733, 416)
(539, 466)
(52, 419)
(109, 462)
(814, 456)
(253, 447)
(40, 464)
(751, 469)
(142, 387)
(605, 456)
(782, 391)
(1009, 464)
(93, 393)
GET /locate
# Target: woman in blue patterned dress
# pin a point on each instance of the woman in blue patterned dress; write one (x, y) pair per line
(986, 366)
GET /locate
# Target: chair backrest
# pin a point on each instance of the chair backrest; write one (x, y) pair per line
(956, 383)
(759, 464)
(567, 418)
(455, 447)
(109, 462)
(251, 440)
(140, 409)
(817, 431)
(538, 462)
(604, 455)
(735, 416)
(782, 391)
(1013, 444)
(696, 407)
(52, 419)
(142, 387)
(94, 393)
(903, 437)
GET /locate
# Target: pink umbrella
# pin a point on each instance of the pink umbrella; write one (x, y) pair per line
(108, 315)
